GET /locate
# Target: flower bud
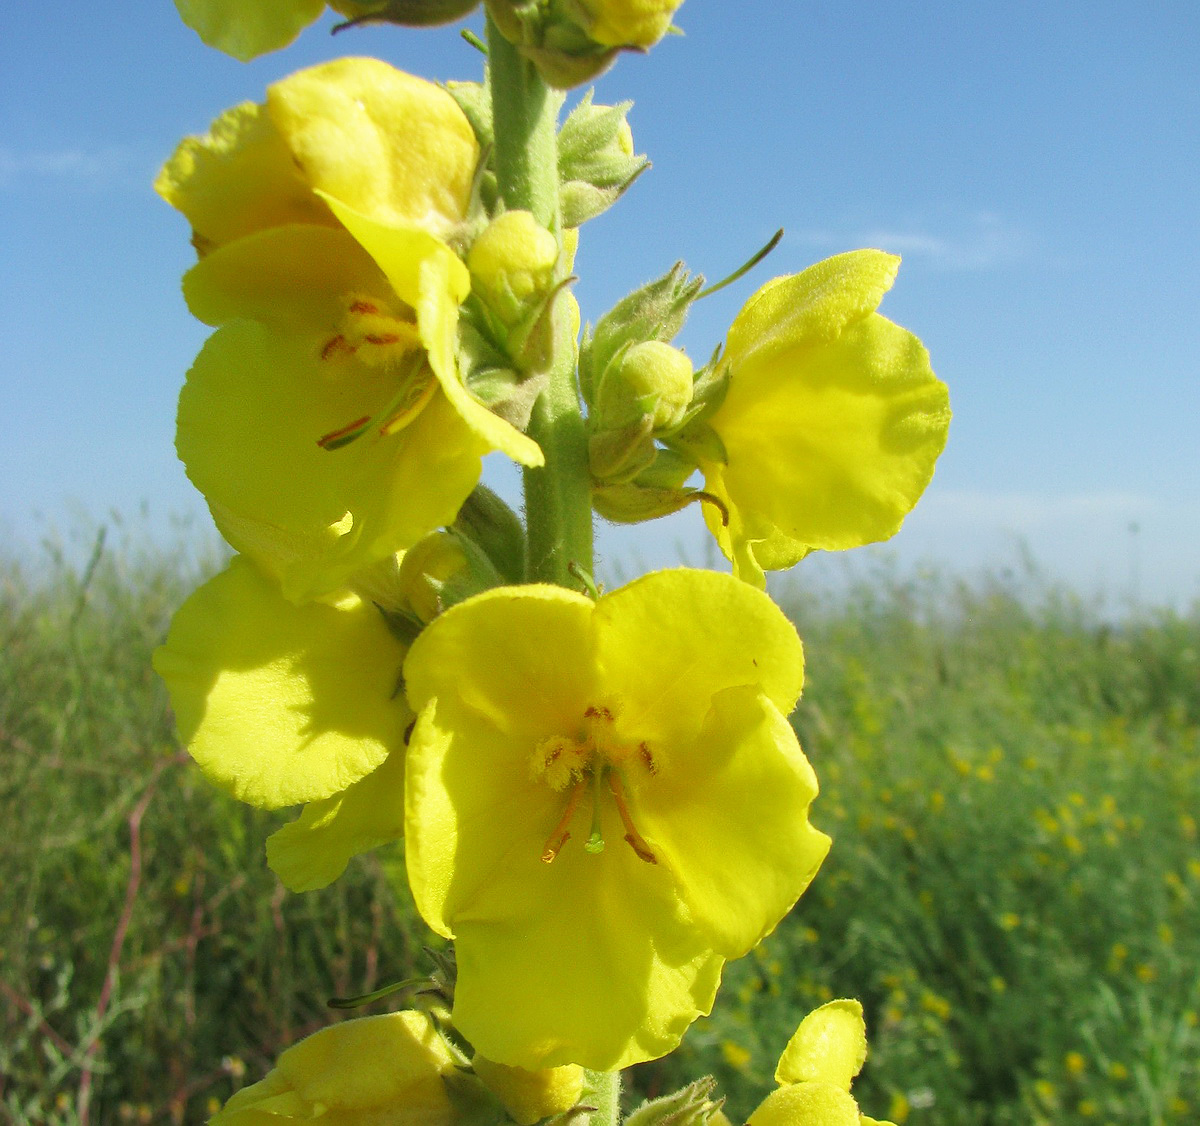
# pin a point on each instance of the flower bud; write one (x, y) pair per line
(652, 378)
(629, 23)
(441, 569)
(530, 1096)
(512, 264)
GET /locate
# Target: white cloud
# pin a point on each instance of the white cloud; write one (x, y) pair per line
(980, 241)
(85, 166)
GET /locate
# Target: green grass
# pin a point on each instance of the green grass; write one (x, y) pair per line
(1014, 889)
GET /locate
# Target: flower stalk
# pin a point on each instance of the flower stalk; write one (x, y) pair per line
(558, 506)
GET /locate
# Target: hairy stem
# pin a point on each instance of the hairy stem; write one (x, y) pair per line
(558, 505)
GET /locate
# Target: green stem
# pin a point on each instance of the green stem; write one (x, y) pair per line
(558, 497)
(602, 1089)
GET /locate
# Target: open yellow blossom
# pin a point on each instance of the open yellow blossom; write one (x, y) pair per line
(326, 421)
(604, 802)
(816, 1070)
(281, 704)
(832, 421)
(384, 1069)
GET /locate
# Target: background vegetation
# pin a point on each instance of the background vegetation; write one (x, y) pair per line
(1014, 890)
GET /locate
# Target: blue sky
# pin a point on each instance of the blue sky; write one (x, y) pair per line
(1036, 164)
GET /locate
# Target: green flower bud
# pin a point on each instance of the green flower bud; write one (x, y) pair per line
(512, 264)
(530, 1096)
(442, 569)
(651, 378)
(596, 161)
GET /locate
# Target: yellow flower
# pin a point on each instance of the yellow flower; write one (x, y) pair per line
(326, 421)
(380, 1069)
(549, 728)
(246, 29)
(831, 423)
(282, 704)
(816, 1070)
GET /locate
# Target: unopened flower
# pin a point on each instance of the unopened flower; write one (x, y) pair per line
(816, 1070)
(282, 704)
(831, 421)
(326, 421)
(383, 1069)
(604, 802)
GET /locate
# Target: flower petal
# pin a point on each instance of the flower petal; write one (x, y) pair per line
(810, 307)
(248, 30)
(291, 275)
(313, 851)
(256, 402)
(830, 1046)
(237, 179)
(521, 657)
(806, 1104)
(387, 144)
(833, 444)
(281, 704)
(728, 816)
(667, 642)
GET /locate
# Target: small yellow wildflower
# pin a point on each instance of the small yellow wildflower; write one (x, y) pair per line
(735, 1055)
(1075, 1064)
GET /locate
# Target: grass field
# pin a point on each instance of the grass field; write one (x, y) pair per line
(1014, 891)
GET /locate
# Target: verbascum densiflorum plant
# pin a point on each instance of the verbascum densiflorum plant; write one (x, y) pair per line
(599, 845)
(600, 796)
(818, 428)
(247, 30)
(816, 1070)
(326, 220)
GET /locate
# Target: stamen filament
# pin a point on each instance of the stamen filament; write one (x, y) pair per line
(633, 838)
(562, 831)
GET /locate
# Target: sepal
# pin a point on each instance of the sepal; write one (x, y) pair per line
(656, 311)
(596, 161)
(692, 1105)
(487, 521)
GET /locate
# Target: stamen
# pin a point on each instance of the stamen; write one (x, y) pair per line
(562, 831)
(598, 711)
(633, 838)
(338, 344)
(595, 843)
(343, 436)
(361, 306)
(647, 758)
